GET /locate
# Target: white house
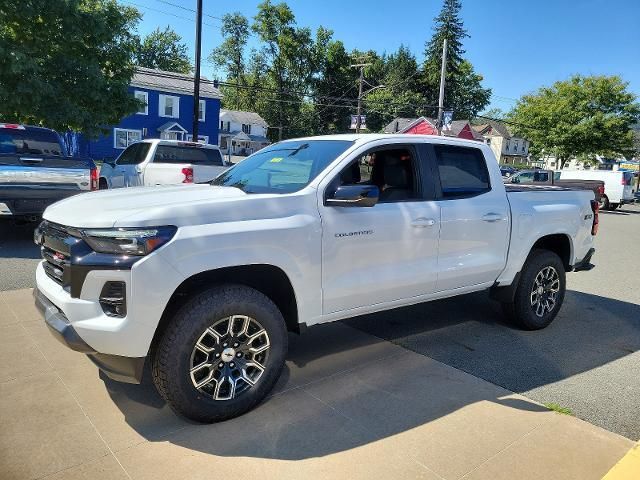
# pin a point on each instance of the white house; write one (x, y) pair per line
(507, 148)
(241, 133)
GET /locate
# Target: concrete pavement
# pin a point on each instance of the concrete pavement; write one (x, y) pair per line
(348, 405)
(587, 360)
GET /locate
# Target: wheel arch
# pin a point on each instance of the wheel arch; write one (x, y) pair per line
(270, 280)
(558, 243)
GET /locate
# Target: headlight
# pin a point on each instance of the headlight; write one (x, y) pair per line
(128, 241)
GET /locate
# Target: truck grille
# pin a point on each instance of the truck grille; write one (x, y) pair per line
(55, 245)
(55, 264)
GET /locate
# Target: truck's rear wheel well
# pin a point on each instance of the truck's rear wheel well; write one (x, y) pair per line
(267, 279)
(560, 244)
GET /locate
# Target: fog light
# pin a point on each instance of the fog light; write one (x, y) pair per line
(113, 299)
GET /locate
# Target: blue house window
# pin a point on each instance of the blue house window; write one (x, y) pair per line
(123, 137)
(202, 110)
(143, 97)
(169, 106)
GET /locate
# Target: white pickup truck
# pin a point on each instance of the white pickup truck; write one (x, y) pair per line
(204, 281)
(162, 162)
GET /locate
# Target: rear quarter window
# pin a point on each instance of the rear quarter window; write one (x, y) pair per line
(463, 171)
(192, 155)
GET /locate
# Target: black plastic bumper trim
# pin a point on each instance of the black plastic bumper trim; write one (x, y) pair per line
(585, 264)
(120, 369)
(59, 324)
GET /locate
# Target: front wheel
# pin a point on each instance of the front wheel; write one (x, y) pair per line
(540, 291)
(221, 355)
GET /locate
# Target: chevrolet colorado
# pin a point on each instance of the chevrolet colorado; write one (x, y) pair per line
(204, 281)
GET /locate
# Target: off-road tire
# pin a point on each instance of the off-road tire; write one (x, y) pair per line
(521, 311)
(172, 355)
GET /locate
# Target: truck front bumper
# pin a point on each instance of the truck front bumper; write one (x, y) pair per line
(116, 367)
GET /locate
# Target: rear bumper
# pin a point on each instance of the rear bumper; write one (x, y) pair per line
(116, 367)
(22, 201)
(585, 264)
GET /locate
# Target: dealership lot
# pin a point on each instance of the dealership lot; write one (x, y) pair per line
(435, 401)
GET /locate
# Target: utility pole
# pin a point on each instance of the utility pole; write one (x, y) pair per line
(196, 80)
(443, 71)
(360, 82)
(361, 93)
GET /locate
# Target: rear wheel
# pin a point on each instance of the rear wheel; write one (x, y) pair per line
(613, 206)
(540, 291)
(221, 355)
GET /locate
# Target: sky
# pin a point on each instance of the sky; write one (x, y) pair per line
(517, 46)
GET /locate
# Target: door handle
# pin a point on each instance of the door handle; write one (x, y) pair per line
(423, 222)
(492, 217)
(30, 159)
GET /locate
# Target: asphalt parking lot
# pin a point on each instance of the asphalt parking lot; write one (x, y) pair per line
(586, 361)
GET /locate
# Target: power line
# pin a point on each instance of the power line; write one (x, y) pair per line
(191, 20)
(182, 7)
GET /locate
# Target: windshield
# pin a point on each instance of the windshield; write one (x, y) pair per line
(285, 167)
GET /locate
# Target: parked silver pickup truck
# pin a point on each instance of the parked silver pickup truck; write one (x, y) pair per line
(35, 172)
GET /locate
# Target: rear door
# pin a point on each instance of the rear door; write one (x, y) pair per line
(475, 218)
(169, 160)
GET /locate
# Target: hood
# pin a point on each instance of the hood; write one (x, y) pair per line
(107, 208)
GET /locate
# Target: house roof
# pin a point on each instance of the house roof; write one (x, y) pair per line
(398, 124)
(245, 118)
(172, 82)
(493, 128)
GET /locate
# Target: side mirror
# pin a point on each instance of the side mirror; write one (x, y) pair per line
(353, 196)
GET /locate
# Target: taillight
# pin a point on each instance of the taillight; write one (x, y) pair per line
(595, 208)
(601, 190)
(188, 175)
(94, 178)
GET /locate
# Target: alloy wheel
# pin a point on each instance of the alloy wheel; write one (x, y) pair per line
(545, 290)
(229, 357)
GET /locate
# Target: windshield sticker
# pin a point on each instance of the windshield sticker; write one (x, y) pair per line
(276, 160)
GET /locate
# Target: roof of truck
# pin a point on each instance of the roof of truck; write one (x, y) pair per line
(369, 137)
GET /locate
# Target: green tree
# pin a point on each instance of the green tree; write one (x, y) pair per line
(578, 117)
(334, 87)
(66, 64)
(464, 93)
(163, 49)
(230, 57)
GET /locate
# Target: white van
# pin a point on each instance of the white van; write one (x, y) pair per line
(618, 185)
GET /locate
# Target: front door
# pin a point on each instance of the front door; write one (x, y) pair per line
(383, 253)
(474, 234)
(128, 167)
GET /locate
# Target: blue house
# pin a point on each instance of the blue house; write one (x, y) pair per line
(168, 113)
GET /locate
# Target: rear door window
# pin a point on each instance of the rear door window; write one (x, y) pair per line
(463, 171)
(192, 155)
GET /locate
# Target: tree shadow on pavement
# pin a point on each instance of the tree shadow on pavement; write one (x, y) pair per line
(342, 388)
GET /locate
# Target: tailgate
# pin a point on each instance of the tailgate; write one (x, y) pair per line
(206, 173)
(43, 172)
